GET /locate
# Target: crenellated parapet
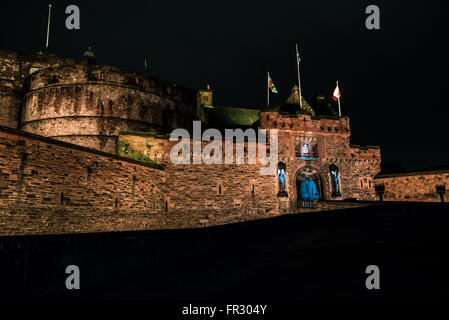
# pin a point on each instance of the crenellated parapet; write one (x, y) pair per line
(365, 153)
(93, 74)
(270, 119)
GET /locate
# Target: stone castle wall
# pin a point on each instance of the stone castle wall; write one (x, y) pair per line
(48, 186)
(415, 186)
(15, 67)
(51, 187)
(87, 104)
(197, 186)
(209, 188)
(90, 104)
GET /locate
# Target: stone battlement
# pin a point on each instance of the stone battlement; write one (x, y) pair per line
(305, 122)
(85, 74)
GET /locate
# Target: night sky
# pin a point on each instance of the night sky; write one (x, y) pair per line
(394, 81)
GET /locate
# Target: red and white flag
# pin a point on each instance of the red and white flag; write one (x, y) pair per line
(337, 93)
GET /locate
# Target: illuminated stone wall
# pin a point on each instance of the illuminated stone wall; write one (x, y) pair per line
(415, 186)
(332, 138)
(90, 104)
(15, 67)
(207, 188)
(196, 186)
(55, 186)
(85, 103)
(48, 186)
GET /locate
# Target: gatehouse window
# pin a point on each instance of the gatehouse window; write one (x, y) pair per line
(306, 150)
(335, 180)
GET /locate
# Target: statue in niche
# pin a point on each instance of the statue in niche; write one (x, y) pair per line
(281, 179)
(335, 179)
(281, 175)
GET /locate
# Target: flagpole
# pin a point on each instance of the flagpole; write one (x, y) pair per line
(268, 89)
(299, 78)
(339, 108)
(48, 25)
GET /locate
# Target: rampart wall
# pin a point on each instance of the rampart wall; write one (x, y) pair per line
(414, 186)
(48, 186)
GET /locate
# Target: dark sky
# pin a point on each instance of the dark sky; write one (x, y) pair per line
(394, 81)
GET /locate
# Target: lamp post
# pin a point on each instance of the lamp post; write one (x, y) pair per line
(441, 190)
(380, 190)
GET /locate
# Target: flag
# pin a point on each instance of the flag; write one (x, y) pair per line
(337, 93)
(271, 85)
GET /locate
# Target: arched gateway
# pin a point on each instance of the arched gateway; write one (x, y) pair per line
(307, 180)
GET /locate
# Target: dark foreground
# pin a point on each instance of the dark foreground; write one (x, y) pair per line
(305, 257)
